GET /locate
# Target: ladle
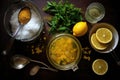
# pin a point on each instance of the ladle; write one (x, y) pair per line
(20, 61)
(22, 22)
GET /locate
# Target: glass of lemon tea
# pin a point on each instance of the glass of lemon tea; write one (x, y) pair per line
(94, 12)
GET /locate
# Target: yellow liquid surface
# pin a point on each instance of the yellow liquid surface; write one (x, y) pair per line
(63, 50)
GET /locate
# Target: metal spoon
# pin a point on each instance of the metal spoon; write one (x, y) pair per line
(20, 61)
(22, 22)
(36, 69)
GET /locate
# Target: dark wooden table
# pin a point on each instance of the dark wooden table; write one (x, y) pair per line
(84, 72)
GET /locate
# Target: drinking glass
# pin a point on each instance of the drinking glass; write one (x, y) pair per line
(94, 12)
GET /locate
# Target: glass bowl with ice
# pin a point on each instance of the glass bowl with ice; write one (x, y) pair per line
(29, 31)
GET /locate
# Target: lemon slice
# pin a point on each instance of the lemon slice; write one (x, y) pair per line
(96, 44)
(100, 66)
(104, 35)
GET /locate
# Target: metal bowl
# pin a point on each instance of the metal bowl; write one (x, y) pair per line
(11, 22)
(112, 44)
(58, 58)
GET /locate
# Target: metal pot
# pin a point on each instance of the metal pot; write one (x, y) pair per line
(11, 23)
(60, 61)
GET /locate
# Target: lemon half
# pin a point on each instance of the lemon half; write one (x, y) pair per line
(96, 44)
(100, 66)
(104, 35)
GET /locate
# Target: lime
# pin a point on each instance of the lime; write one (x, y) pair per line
(104, 35)
(96, 44)
(100, 66)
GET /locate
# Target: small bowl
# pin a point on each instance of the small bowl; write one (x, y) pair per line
(61, 58)
(112, 45)
(29, 31)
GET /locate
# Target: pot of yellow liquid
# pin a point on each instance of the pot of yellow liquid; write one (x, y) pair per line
(64, 51)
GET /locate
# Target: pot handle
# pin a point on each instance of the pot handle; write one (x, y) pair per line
(114, 55)
(74, 68)
(46, 66)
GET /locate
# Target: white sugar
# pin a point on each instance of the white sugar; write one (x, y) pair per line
(14, 20)
(30, 29)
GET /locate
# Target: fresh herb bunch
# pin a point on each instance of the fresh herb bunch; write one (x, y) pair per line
(65, 15)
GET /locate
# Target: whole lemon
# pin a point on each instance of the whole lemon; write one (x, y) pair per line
(80, 28)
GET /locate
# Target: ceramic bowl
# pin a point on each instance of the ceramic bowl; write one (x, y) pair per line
(112, 45)
(29, 31)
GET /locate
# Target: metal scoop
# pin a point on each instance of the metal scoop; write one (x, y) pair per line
(22, 21)
(20, 61)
